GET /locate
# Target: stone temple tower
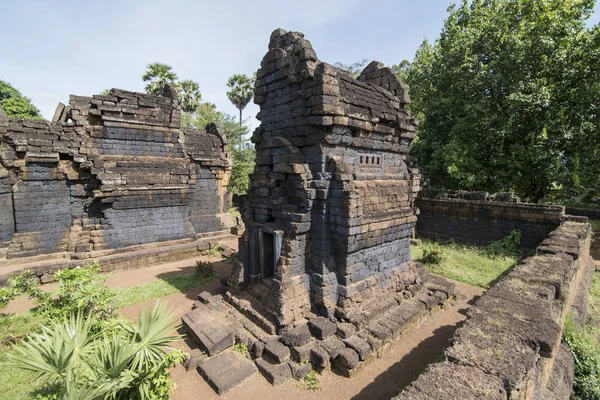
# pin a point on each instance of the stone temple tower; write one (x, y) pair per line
(330, 209)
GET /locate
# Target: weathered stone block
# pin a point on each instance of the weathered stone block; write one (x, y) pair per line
(208, 331)
(226, 371)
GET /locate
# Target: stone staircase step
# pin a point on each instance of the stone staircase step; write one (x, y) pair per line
(226, 371)
(208, 330)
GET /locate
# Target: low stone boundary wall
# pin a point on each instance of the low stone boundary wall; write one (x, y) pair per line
(44, 267)
(481, 220)
(510, 345)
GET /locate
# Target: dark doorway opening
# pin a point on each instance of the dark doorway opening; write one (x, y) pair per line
(268, 255)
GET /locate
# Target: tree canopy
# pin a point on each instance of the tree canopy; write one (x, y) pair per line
(189, 95)
(241, 90)
(508, 98)
(237, 140)
(158, 75)
(15, 105)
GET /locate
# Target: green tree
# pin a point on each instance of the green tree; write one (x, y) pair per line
(189, 95)
(15, 105)
(241, 91)
(495, 95)
(355, 68)
(238, 142)
(401, 69)
(158, 75)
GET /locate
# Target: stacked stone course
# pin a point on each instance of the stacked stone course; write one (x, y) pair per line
(107, 173)
(480, 218)
(510, 345)
(331, 189)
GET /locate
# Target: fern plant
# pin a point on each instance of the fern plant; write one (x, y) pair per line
(80, 364)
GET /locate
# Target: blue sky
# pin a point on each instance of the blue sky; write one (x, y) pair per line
(53, 49)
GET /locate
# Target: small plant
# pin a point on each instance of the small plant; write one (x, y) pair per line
(204, 269)
(216, 250)
(311, 382)
(241, 348)
(432, 254)
(505, 247)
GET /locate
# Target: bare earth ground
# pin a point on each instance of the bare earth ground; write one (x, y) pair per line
(383, 378)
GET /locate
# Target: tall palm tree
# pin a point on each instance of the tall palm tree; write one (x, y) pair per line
(241, 91)
(158, 75)
(189, 95)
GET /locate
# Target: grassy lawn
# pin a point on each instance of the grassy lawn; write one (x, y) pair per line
(161, 288)
(467, 264)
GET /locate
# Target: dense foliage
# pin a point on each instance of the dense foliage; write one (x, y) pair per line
(508, 98)
(237, 140)
(586, 352)
(15, 105)
(85, 351)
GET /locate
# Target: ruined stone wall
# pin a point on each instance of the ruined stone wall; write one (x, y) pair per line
(109, 172)
(477, 218)
(510, 345)
(331, 183)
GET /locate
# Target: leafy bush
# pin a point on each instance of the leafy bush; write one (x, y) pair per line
(204, 269)
(82, 364)
(586, 353)
(505, 247)
(80, 290)
(432, 254)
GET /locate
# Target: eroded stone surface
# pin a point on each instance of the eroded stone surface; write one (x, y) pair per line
(276, 374)
(209, 332)
(226, 370)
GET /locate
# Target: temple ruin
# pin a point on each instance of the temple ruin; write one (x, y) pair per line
(329, 212)
(325, 275)
(109, 172)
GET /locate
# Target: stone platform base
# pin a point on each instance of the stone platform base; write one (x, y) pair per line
(317, 342)
(132, 257)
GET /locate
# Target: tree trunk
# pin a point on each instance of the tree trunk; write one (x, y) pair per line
(240, 117)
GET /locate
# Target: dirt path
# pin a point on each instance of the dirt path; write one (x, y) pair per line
(383, 378)
(135, 277)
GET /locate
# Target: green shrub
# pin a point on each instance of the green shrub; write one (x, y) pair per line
(204, 269)
(432, 254)
(505, 247)
(79, 363)
(586, 353)
(80, 290)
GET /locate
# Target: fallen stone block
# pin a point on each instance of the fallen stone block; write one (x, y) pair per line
(322, 328)
(276, 374)
(276, 352)
(345, 330)
(226, 371)
(298, 336)
(209, 332)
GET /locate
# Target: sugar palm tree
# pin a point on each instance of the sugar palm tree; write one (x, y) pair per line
(241, 91)
(158, 75)
(189, 95)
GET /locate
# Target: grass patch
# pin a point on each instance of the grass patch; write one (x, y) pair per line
(595, 224)
(16, 383)
(160, 288)
(585, 346)
(471, 265)
(241, 348)
(311, 382)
